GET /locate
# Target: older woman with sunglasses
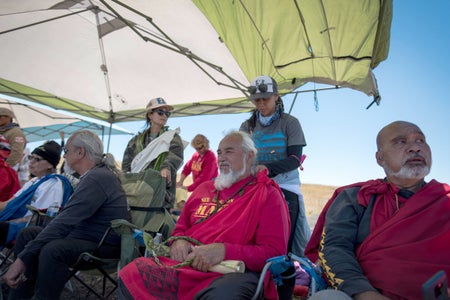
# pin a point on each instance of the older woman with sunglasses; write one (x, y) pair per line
(279, 138)
(156, 147)
(41, 191)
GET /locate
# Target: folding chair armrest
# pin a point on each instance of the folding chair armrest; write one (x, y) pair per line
(36, 210)
(122, 226)
(91, 258)
(38, 215)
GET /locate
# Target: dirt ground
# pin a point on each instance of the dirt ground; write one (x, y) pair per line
(76, 291)
(315, 197)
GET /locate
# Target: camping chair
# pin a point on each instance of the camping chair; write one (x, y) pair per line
(38, 218)
(6, 257)
(145, 193)
(281, 269)
(8, 249)
(90, 264)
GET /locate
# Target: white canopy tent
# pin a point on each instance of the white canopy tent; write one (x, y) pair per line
(106, 59)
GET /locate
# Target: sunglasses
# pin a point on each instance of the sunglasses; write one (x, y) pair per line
(161, 112)
(35, 158)
(263, 87)
(199, 148)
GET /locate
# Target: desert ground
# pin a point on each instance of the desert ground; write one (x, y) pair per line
(315, 197)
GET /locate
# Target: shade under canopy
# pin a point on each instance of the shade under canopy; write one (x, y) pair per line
(107, 59)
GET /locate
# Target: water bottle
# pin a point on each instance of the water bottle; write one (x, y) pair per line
(158, 238)
(53, 210)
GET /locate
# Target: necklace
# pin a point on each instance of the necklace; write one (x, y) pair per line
(396, 203)
(219, 206)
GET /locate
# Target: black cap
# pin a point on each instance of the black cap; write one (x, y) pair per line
(50, 151)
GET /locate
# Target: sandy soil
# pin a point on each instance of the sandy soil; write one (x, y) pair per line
(315, 197)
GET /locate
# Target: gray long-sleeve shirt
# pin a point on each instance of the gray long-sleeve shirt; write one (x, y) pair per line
(97, 199)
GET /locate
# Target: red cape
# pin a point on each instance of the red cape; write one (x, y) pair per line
(405, 250)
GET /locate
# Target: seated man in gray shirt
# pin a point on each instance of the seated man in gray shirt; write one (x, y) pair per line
(45, 255)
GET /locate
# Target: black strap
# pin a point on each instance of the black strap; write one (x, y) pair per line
(140, 208)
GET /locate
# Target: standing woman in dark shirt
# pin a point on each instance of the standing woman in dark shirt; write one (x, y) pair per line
(167, 161)
(279, 138)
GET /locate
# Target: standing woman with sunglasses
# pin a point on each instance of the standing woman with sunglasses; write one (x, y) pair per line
(279, 138)
(41, 191)
(156, 147)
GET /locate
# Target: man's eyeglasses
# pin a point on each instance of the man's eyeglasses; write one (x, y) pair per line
(161, 112)
(263, 87)
(65, 150)
(35, 158)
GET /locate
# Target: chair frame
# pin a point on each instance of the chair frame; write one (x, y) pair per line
(317, 283)
(38, 218)
(89, 262)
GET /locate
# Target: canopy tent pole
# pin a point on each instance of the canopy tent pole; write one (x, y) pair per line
(45, 21)
(109, 137)
(293, 103)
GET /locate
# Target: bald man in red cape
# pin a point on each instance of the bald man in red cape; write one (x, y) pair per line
(240, 216)
(382, 239)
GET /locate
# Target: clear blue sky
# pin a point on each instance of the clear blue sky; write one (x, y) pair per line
(414, 83)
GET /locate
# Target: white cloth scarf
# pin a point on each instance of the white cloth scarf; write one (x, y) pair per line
(159, 145)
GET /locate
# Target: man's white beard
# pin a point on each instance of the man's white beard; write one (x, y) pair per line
(409, 172)
(68, 169)
(224, 181)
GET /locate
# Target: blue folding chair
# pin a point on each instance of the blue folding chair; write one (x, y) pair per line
(279, 265)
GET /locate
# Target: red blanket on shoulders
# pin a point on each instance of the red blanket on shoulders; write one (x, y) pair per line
(403, 249)
(9, 183)
(254, 226)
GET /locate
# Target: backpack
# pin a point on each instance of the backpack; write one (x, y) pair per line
(145, 193)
